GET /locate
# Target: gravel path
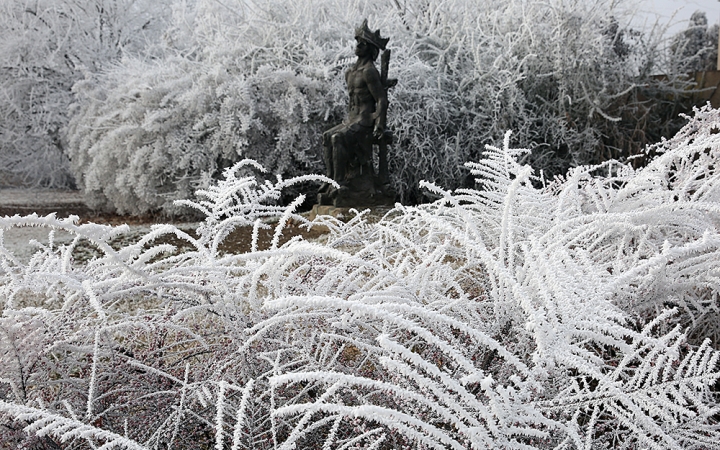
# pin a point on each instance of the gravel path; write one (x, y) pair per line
(42, 202)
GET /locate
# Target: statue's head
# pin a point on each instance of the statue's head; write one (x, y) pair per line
(367, 39)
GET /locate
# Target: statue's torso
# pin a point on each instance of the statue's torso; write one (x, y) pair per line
(361, 103)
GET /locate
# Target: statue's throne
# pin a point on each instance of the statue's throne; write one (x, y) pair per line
(366, 186)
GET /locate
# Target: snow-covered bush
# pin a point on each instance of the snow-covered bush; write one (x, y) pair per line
(527, 314)
(46, 46)
(262, 80)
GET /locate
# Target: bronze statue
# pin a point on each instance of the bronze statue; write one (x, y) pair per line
(348, 147)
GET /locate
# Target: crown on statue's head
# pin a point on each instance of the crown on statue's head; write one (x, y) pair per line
(364, 33)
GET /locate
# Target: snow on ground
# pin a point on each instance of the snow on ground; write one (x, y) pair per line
(22, 242)
(26, 201)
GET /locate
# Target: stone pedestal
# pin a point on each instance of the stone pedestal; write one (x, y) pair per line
(343, 213)
(328, 210)
(362, 191)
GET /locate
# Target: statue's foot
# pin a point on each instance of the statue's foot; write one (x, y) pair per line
(387, 189)
(324, 188)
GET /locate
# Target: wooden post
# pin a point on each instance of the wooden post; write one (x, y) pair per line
(383, 173)
(384, 67)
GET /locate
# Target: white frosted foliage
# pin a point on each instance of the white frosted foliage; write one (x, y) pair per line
(579, 313)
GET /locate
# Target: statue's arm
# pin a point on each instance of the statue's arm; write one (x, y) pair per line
(372, 78)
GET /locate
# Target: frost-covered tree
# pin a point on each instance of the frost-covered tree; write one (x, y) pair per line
(695, 49)
(242, 79)
(45, 47)
(577, 313)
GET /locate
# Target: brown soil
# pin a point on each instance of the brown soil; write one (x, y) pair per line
(240, 239)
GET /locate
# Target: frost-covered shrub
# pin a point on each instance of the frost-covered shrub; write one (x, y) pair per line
(46, 46)
(262, 80)
(516, 316)
(696, 48)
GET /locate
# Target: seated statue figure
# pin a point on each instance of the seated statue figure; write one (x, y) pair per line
(348, 147)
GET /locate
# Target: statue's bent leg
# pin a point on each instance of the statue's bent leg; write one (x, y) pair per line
(328, 159)
(328, 153)
(340, 157)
